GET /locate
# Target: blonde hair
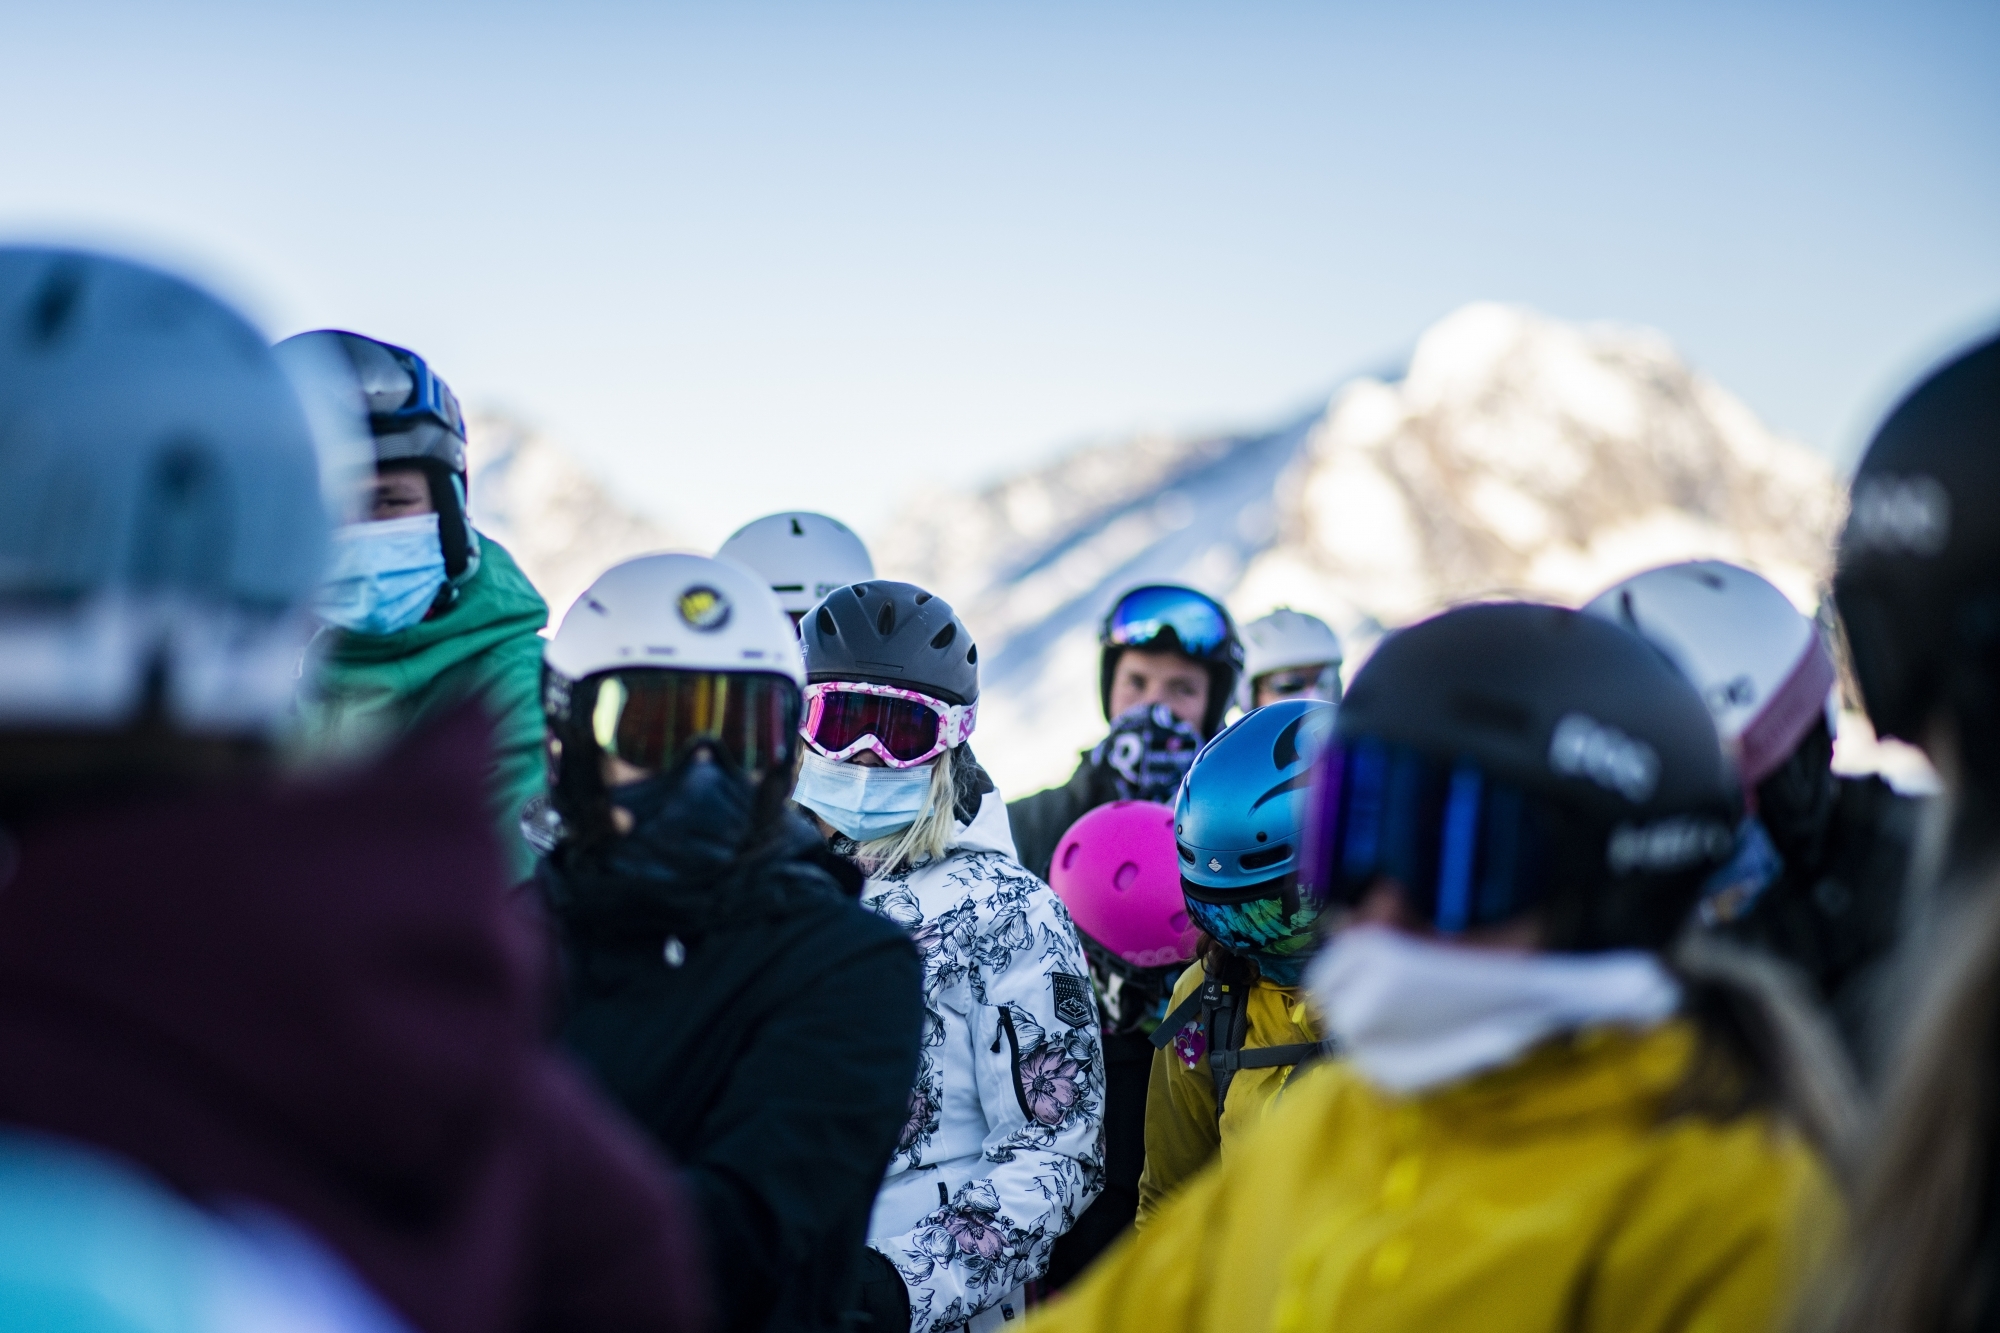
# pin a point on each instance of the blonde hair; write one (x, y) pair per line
(929, 836)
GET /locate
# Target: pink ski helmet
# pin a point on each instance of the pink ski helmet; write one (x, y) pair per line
(1119, 874)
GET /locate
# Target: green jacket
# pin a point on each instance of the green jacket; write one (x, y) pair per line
(372, 687)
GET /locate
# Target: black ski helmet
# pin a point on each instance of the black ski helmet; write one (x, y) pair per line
(414, 419)
(1170, 617)
(891, 634)
(1511, 757)
(1918, 578)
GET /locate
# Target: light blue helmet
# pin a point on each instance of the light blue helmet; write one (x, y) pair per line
(1238, 822)
(161, 526)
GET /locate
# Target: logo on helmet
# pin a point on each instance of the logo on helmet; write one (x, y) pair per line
(1900, 514)
(1583, 747)
(704, 608)
(1669, 844)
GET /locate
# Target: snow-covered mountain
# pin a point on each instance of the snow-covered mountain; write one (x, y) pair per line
(559, 522)
(1516, 455)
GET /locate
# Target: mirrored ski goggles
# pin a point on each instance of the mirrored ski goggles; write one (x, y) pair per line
(1466, 850)
(429, 401)
(1144, 614)
(1307, 682)
(651, 718)
(902, 727)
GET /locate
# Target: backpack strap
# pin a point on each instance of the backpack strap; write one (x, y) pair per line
(1271, 1057)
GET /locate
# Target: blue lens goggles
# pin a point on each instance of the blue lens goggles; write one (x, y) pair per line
(1467, 850)
(430, 401)
(1143, 615)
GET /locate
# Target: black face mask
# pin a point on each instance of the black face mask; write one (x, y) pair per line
(691, 821)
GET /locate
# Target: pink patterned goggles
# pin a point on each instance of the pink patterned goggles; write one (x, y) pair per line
(902, 727)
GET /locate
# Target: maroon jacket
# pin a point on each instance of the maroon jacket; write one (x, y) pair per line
(313, 995)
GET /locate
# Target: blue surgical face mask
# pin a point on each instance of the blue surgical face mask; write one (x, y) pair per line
(863, 802)
(382, 577)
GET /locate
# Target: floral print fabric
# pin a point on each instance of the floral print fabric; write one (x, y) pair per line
(1003, 1146)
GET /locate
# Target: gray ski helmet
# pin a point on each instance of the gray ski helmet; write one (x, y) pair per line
(414, 420)
(161, 524)
(1511, 757)
(1918, 579)
(891, 634)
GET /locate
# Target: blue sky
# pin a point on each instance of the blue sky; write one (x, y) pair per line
(754, 255)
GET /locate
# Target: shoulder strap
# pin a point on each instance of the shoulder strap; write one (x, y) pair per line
(1187, 1011)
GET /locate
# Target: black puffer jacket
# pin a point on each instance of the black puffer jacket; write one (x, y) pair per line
(759, 1023)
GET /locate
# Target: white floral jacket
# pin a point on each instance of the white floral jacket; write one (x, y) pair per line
(1004, 1145)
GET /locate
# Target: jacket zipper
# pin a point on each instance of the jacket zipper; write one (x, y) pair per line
(1014, 1048)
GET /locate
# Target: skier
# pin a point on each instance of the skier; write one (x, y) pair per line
(270, 1037)
(1237, 1025)
(1537, 1122)
(1917, 586)
(1817, 875)
(802, 556)
(1002, 1147)
(1289, 655)
(1118, 874)
(421, 611)
(721, 980)
(1168, 661)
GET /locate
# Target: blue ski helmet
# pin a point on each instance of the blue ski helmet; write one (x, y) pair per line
(1238, 823)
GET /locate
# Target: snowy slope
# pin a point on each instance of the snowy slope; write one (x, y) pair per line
(560, 523)
(1518, 455)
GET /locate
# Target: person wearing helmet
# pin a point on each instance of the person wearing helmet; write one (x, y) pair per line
(1118, 874)
(1238, 1024)
(1001, 1149)
(421, 611)
(1917, 584)
(722, 983)
(1289, 655)
(270, 1035)
(802, 556)
(1817, 875)
(1168, 662)
(1537, 1122)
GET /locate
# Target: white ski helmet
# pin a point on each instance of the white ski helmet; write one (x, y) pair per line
(1758, 663)
(161, 523)
(802, 556)
(1285, 640)
(680, 612)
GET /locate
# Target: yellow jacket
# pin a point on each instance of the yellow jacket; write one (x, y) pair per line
(1182, 1132)
(1545, 1196)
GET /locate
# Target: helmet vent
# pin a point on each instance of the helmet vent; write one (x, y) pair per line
(922, 597)
(972, 655)
(1265, 856)
(1187, 852)
(944, 636)
(797, 531)
(826, 625)
(885, 620)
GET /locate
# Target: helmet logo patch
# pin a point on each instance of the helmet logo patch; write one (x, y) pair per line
(1215, 863)
(1583, 747)
(1897, 514)
(704, 608)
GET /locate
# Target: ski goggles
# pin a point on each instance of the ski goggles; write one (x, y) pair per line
(651, 718)
(1467, 850)
(1144, 614)
(429, 401)
(902, 727)
(1307, 682)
